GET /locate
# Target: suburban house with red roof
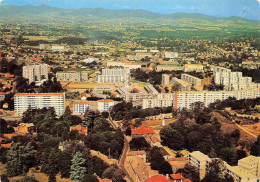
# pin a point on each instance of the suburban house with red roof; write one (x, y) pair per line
(80, 129)
(142, 131)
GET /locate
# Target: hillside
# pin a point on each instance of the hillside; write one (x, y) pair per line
(14, 11)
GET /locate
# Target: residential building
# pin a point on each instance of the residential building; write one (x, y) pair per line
(35, 73)
(186, 98)
(39, 100)
(142, 131)
(200, 161)
(2, 96)
(247, 170)
(80, 107)
(171, 55)
(151, 90)
(166, 79)
(193, 67)
(111, 76)
(183, 85)
(104, 105)
(167, 68)
(191, 79)
(234, 81)
(72, 76)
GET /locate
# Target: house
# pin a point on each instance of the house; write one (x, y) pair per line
(158, 178)
(142, 131)
(80, 129)
(165, 154)
(24, 128)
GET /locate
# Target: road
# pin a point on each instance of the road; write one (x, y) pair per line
(124, 153)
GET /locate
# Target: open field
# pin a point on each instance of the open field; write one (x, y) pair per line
(253, 128)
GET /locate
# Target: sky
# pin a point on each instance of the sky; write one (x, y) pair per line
(221, 8)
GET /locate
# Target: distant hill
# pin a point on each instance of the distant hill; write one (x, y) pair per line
(16, 11)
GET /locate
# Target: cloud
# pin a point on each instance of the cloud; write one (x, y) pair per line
(258, 2)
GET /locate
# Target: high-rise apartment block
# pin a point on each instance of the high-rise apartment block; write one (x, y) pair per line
(186, 98)
(114, 76)
(35, 73)
(39, 100)
(104, 105)
(80, 107)
(233, 80)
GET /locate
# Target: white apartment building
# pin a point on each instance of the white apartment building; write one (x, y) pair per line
(186, 98)
(35, 72)
(234, 81)
(200, 161)
(184, 86)
(112, 72)
(193, 67)
(171, 55)
(80, 107)
(127, 96)
(191, 79)
(248, 170)
(167, 68)
(72, 76)
(39, 100)
(110, 78)
(104, 105)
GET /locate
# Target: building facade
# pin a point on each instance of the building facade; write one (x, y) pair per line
(39, 100)
(104, 105)
(187, 98)
(72, 76)
(247, 170)
(35, 72)
(191, 79)
(80, 107)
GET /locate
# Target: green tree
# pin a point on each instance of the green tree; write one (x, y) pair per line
(78, 169)
(255, 148)
(65, 164)
(165, 168)
(20, 159)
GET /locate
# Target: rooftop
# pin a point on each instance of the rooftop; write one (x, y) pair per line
(250, 159)
(105, 101)
(37, 94)
(81, 102)
(200, 156)
(142, 130)
(158, 178)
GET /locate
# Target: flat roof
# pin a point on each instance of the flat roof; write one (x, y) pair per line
(37, 94)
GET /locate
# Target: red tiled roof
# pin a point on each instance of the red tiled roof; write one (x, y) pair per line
(177, 176)
(142, 130)
(6, 145)
(105, 101)
(105, 180)
(187, 180)
(2, 93)
(79, 128)
(158, 178)
(10, 76)
(81, 102)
